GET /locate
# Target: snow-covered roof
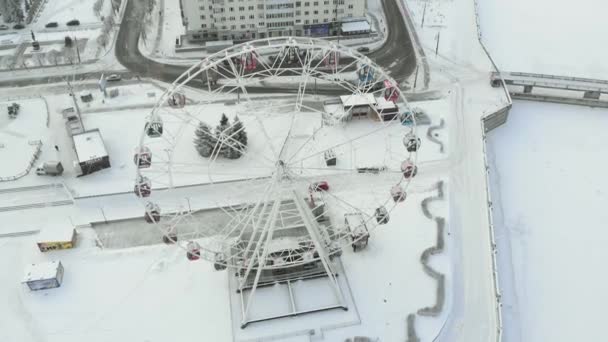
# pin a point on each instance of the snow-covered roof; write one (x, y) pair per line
(383, 103)
(214, 43)
(356, 26)
(89, 145)
(55, 233)
(357, 100)
(41, 271)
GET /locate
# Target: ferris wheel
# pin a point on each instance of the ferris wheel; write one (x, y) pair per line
(289, 151)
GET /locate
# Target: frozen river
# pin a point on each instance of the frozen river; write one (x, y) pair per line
(550, 190)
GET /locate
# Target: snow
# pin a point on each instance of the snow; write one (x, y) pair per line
(62, 11)
(548, 184)
(547, 37)
(357, 100)
(19, 136)
(57, 232)
(41, 271)
(89, 145)
(356, 26)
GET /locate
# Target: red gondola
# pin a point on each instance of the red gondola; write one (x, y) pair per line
(409, 169)
(193, 251)
(332, 60)
(318, 186)
(152, 214)
(142, 157)
(412, 142)
(391, 91)
(249, 61)
(143, 187)
(176, 100)
(398, 193)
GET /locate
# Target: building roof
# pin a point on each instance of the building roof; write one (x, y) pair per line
(356, 26)
(56, 233)
(41, 271)
(358, 100)
(383, 103)
(89, 145)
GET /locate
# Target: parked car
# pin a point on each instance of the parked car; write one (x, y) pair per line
(3, 27)
(319, 186)
(51, 24)
(73, 22)
(19, 26)
(113, 78)
(363, 49)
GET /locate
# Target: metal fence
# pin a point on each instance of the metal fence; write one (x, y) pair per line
(35, 156)
(497, 294)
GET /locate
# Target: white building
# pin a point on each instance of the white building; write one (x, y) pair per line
(252, 19)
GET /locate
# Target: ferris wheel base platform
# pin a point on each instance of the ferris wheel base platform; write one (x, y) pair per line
(292, 307)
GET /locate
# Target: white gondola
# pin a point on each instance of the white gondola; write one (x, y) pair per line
(220, 262)
(412, 142)
(408, 169)
(142, 157)
(193, 251)
(382, 215)
(330, 157)
(177, 100)
(170, 235)
(152, 214)
(154, 128)
(397, 193)
(143, 187)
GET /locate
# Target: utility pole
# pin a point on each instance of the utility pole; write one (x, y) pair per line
(416, 77)
(77, 50)
(423, 14)
(437, 48)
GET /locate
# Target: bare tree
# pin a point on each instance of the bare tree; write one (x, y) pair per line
(53, 56)
(97, 6)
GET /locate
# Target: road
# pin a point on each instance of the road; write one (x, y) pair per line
(396, 55)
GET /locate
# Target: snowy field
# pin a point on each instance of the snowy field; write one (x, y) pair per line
(148, 282)
(548, 174)
(545, 36)
(386, 280)
(18, 135)
(62, 11)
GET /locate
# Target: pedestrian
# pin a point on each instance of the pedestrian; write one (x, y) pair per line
(57, 148)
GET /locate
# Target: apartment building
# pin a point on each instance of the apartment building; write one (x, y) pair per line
(251, 19)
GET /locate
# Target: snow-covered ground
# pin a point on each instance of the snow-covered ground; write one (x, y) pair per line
(17, 49)
(545, 36)
(140, 278)
(548, 173)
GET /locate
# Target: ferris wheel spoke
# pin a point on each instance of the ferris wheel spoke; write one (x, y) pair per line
(349, 141)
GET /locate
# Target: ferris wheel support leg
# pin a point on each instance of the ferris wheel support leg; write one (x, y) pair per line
(250, 243)
(269, 228)
(313, 230)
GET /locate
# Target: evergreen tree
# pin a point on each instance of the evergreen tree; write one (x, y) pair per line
(242, 134)
(205, 140)
(239, 139)
(222, 131)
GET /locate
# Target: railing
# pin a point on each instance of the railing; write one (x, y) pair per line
(35, 156)
(492, 234)
(497, 294)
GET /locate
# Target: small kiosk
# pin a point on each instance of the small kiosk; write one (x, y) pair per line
(42, 276)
